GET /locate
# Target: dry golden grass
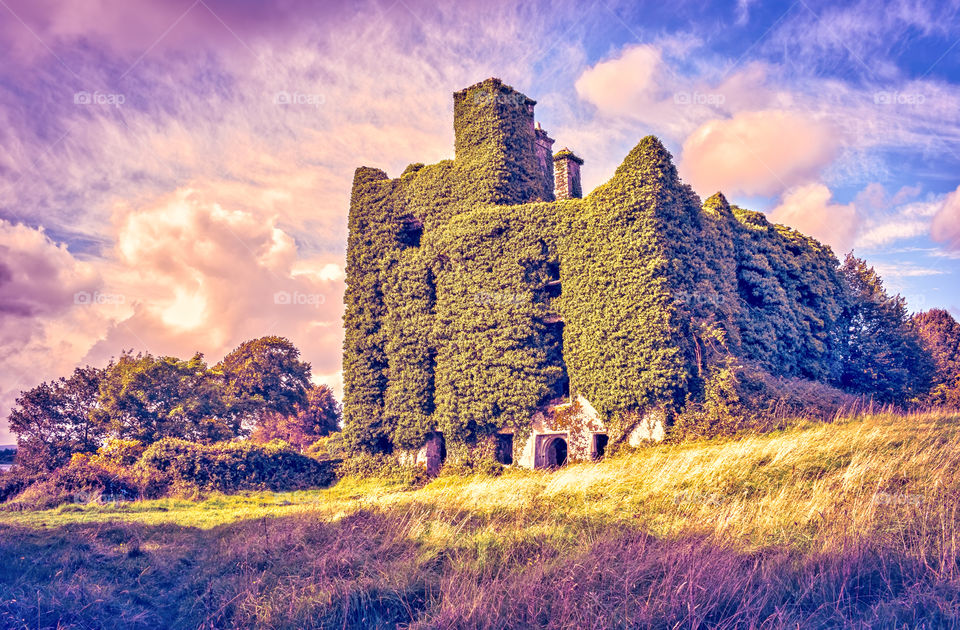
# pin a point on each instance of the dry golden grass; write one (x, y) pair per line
(849, 523)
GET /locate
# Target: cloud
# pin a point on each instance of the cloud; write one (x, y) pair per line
(808, 209)
(51, 306)
(757, 153)
(621, 85)
(946, 223)
(202, 276)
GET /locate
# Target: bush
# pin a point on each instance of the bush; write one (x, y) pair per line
(121, 452)
(14, 482)
(178, 465)
(740, 396)
(83, 480)
(366, 465)
(330, 447)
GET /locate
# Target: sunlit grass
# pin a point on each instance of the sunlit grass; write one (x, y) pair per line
(875, 496)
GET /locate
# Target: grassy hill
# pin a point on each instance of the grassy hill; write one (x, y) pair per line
(821, 525)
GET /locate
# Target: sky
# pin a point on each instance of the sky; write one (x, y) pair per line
(175, 174)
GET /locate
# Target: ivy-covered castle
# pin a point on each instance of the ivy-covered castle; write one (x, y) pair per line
(492, 312)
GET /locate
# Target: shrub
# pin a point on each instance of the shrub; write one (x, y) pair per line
(85, 479)
(331, 447)
(14, 482)
(366, 465)
(172, 464)
(740, 396)
(121, 452)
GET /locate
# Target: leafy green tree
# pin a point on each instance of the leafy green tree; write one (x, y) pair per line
(940, 334)
(54, 420)
(883, 356)
(319, 417)
(263, 376)
(147, 398)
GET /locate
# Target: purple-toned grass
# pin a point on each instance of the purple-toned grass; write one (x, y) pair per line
(854, 525)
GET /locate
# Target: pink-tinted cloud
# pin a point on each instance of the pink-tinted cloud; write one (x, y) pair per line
(946, 223)
(809, 209)
(757, 153)
(203, 277)
(51, 306)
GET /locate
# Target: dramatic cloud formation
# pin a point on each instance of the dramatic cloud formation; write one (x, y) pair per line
(809, 209)
(51, 307)
(757, 153)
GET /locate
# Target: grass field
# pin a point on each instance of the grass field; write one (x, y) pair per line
(853, 523)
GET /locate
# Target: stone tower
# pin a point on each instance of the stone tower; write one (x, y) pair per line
(496, 140)
(566, 168)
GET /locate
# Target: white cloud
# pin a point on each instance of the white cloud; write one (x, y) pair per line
(809, 209)
(757, 153)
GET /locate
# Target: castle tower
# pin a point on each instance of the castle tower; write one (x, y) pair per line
(544, 155)
(497, 143)
(566, 168)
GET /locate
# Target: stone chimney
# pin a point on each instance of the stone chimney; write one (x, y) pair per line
(566, 173)
(544, 155)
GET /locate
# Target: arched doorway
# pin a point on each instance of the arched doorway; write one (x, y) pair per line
(557, 452)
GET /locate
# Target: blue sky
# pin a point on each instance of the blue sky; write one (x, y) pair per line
(169, 167)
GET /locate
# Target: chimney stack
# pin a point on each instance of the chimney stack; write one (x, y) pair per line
(566, 172)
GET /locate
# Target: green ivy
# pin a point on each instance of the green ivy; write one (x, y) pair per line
(451, 274)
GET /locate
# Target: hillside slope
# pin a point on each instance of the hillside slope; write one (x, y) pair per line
(821, 525)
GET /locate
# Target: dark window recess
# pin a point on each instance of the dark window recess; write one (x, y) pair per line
(600, 445)
(411, 229)
(557, 452)
(505, 448)
(553, 341)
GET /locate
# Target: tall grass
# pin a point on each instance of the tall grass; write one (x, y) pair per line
(851, 523)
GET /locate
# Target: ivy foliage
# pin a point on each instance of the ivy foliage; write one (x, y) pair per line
(453, 299)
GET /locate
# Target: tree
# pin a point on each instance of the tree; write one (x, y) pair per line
(940, 334)
(883, 356)
(54, 420)
(263, 376)
(320, 416)
(147, 398)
